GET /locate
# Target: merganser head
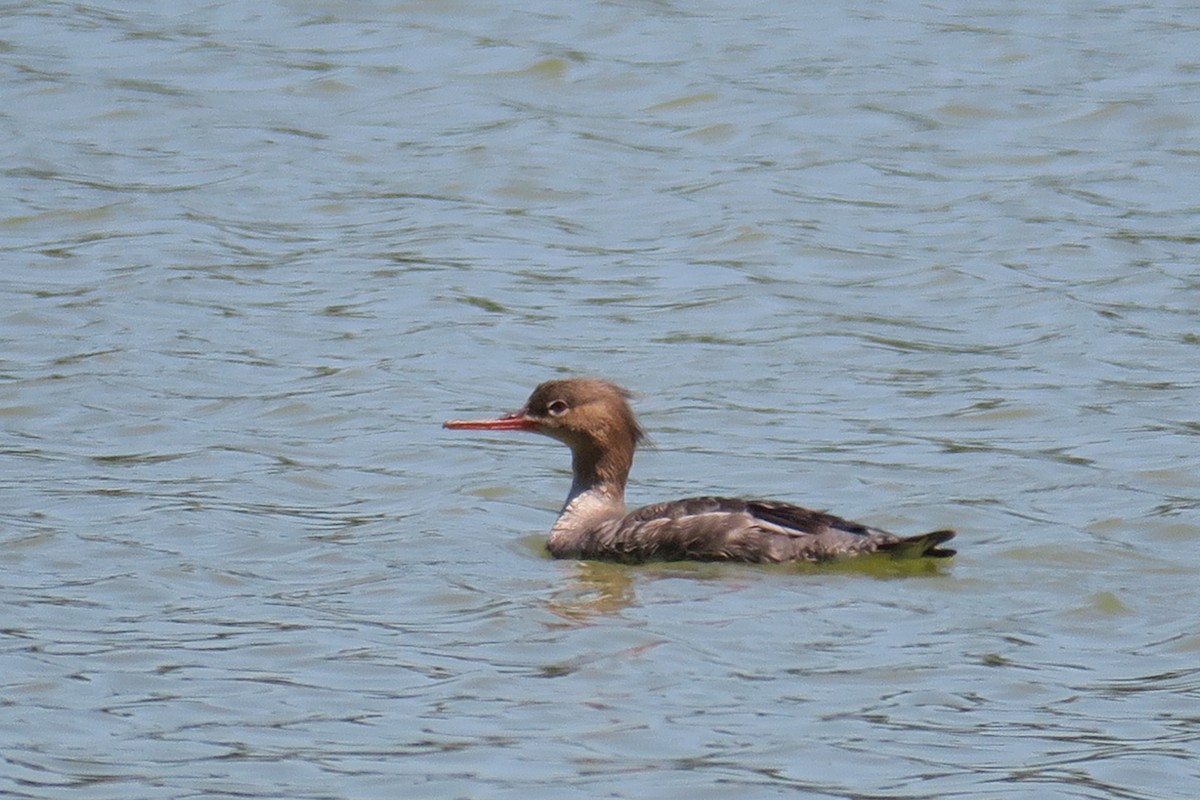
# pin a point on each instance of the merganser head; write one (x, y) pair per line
(590, 415)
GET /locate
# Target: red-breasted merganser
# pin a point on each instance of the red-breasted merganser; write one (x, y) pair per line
(592, 416)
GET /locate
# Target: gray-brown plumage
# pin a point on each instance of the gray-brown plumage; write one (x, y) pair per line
(592, 416)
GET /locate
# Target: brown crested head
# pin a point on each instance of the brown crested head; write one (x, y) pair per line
(585, 412)
(591, 416)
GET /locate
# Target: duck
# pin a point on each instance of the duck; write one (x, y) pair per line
(592, 416)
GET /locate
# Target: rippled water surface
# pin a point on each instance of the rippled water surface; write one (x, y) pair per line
(925, 266)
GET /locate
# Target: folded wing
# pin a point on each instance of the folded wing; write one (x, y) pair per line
(736, 529)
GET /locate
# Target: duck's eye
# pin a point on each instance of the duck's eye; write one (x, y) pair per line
(557, 408)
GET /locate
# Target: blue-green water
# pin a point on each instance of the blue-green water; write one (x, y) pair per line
(926, 267)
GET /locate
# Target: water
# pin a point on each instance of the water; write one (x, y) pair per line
(927, 267)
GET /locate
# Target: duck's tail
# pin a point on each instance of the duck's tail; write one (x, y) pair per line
(924, 544)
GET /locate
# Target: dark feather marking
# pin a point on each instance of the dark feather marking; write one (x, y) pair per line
(733, 528)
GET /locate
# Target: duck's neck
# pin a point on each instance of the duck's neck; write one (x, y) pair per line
(601, 472)
(597, 495)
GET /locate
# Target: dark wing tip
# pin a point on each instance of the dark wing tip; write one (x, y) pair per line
(936, 538)
(923, 544)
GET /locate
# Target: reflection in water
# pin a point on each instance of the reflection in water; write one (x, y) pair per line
(603, 589)
(599, 589)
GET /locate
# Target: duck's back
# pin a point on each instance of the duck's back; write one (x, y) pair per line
(736, 529)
